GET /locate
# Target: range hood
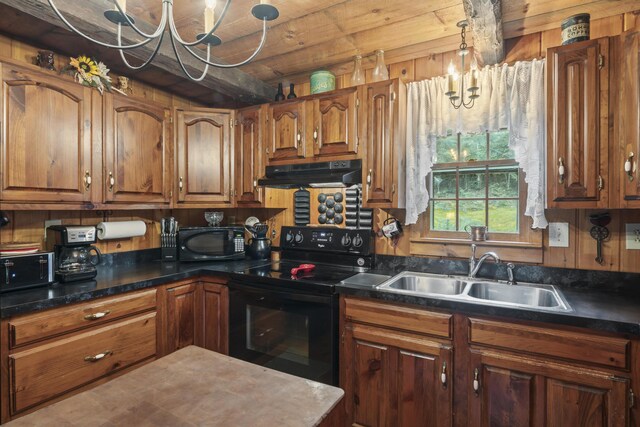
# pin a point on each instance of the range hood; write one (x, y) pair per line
(340, 173)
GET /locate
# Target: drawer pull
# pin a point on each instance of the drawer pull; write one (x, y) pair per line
(98, 356)
(96, 316)
(443, 375)
(628, 166)
(561, 170)
(476, 381)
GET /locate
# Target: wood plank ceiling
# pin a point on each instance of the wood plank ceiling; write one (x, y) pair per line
(326, 34)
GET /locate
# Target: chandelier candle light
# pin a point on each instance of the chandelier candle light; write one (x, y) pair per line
(452, 78)
(262, 11)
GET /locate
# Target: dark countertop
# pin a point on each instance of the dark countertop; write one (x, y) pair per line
(114, 279)
(594, 309)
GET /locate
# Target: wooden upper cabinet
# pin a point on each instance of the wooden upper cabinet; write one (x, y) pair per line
(515, 391)
(335, 123)
(249, 156)
(204, 157)
(383, 169)
(286, 134)
(46, 146)
(135, 151)
(628, 127)
(577, 124)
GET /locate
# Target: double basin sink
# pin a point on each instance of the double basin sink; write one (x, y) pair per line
(478, 291)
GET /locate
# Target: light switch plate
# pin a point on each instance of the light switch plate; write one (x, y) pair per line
(559, 234)
(48, 223)
(632, 236)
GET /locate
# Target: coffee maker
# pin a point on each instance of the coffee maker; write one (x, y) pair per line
(73, 248)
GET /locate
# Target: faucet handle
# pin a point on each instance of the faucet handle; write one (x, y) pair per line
(510, 268)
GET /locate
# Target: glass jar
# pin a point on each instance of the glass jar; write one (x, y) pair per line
(380, 71)
(357, 77)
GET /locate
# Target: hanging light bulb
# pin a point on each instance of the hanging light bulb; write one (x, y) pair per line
(209, 15)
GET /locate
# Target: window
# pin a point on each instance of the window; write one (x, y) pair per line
(475, 181)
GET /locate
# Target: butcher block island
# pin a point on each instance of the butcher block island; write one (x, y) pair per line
(196, 387)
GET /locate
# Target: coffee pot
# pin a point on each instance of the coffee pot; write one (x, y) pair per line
(74, 251)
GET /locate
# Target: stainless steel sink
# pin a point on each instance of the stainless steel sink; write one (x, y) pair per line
(425, 284)
(523, 295)
(539, 296)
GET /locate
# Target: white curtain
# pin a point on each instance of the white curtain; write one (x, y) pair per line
(511, 97)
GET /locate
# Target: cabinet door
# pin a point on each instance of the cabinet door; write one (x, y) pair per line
(215, 300)
(380, 167)
(45, 152)
(335, 123)
(204, 157)
(577, 122)
(135, 151)
(516, 391)
(181, 317)
(286, 138)
(629, 119)
(395, 379)
(249, 157)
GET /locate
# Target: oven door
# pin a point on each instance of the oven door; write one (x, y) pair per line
(289, 332)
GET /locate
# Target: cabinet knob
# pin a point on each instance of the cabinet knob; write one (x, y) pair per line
(443, 375)
(560, 170)
(87, 180)
(369, 176)
(299, 137)
(98, 356)
(255, 182)
(111, 181)
(629, 166)
(315, 135)
(600, 182)
(180, 184)
(476, 381)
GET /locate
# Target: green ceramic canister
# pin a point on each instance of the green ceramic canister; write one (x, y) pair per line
(322, 81)
(575, 28)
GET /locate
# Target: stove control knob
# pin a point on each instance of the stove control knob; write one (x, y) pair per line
(289, 237)
(357, 241)
(299, 238)
(346, 240)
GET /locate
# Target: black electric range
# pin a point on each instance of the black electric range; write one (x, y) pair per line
(289, 322)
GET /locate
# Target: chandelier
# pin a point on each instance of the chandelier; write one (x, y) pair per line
(118, 15)
(457, 95)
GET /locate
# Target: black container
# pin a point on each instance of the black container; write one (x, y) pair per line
(280, 94)
(575, 28)
(292, 94)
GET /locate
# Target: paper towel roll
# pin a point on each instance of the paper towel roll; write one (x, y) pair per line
(121, 229)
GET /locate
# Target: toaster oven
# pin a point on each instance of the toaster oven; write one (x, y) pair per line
(26, 271)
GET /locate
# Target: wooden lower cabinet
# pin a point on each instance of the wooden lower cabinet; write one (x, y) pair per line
(397, 371)
(519, 391)
(194, 313)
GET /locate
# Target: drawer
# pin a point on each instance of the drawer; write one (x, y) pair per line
(34, 327)
(398, 317)
(51, 369)
(576, 346)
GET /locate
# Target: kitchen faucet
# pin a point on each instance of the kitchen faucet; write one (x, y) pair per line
(474, 265)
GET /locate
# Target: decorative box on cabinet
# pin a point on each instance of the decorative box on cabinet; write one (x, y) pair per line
(204, 157)
(578, 125)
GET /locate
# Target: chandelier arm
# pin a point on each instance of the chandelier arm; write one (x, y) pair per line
(144, 64)
(158, 31)
(176, 34)
(103, 44)
(238, 64)
(184, 69)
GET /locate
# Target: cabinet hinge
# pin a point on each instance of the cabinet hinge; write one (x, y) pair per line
(632, 399)
(600, 61)
(170, 119)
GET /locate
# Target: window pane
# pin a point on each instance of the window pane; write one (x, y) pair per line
(472, 212)
(444, 185)
(472, 184)
(443, 215)
(499, 146)
(473, 147)
(503, 183)
(447, 149)
(503, 216)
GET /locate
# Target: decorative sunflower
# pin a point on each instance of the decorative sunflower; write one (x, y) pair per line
(89, 72)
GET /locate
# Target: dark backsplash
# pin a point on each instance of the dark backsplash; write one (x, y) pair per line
(563, 277)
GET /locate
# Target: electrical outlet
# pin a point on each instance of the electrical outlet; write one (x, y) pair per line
(559, 234)
(48, 223)
(633, 236)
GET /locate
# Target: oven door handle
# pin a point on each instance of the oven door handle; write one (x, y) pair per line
(270, 294)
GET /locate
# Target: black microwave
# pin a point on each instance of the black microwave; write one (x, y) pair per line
(210, 243)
